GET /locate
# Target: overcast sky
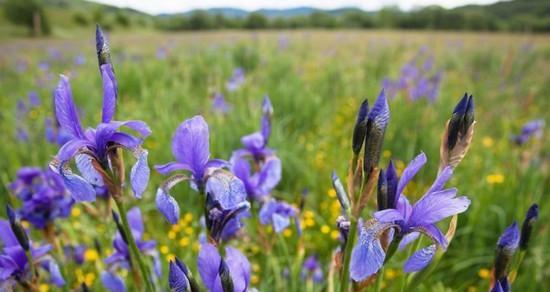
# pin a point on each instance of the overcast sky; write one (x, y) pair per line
(174, 6)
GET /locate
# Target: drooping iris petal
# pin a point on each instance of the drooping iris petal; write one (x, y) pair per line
(239, 268)
(280, 222)
(139, 176)
(65, 110)
(226, 189)
(86, 168)
(420, 259)
(81, 190)
(110, 92)
(55, 274)
(177, 280)
(190, 144)
(208, 263)
(71, 148)
(407, 239)
(433, 233)
(168, 206)
(270, 175)
(112, 282)
(437, 206)
(367, 255)
(410, 171)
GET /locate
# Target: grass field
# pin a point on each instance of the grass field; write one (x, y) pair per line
(316, 81)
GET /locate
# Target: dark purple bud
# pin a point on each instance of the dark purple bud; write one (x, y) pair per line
(527, 226)
(387, 188)
(225, 277)
(102, 47)
(177, 280)
(17, 229)
(461, 120)
(506, 247)
(378, 119)
(192, 282)
(340, 192)
(360, 129)
(123, 234)
(382, 194)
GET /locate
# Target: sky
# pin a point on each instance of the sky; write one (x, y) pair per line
(176, 6)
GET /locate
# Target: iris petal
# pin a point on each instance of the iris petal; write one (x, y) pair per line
(168, 206)
(420, 259)
(367, 255)
(139, 176)
(112, 282)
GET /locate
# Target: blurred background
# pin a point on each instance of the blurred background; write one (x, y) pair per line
(317, 62)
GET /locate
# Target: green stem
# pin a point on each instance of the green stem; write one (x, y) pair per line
(31, 265)
(134, 251)
(344, 280)
(286, 254)
(379, 279)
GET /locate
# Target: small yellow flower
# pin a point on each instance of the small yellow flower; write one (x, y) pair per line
(334, 234)
(386, 154)
(309, 222)
(308, 214)
(255, 268)
(331, 193)
(325, 229)
(188, 230)
(164, 249)
(89, 279)
(184, 241)
(484, 273)
(391, 274)
(90, 255)
(44, 288)
(488, 142)
(287, 232)
(254, 279)
(171, 235)
(495, 178)
(176, 227)
(75, 212)
(188, 217)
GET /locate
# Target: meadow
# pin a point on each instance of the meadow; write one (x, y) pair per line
(316, 81)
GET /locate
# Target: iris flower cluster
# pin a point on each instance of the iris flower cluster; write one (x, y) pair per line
(397, 222)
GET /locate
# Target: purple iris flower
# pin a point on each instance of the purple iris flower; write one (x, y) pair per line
(112, 282)
(190, 147)
(121, 256)
(255, 144)
(75, 252)
(258, 185)
(210, 263)
(43, 194)
(278, 214)
(410, 220)
(531, 129)
(312, 268)
(219, 104)
(95, 149)
(14, 266)
(223, 223)
(236, 80)
(34, 99)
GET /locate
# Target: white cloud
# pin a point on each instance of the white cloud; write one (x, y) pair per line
(176, 6)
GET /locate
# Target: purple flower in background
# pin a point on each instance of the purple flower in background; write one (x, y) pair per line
(121, 256)
(236, 80)
(410, 220)
(258, 185)
(75, 252)
(14, 265)
(79, 60)
(531, 129)
(34, 99)
(54, 134)
(95, 150)
(219, 104)
(43, 194)
(212, 268)
(278, 214)
(312, 269)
